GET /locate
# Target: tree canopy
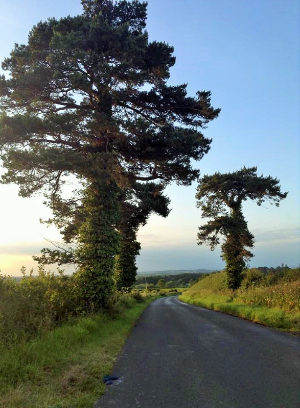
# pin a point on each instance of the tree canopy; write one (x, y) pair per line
(220, 197)
(88, 96)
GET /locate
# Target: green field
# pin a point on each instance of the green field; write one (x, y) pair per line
(272, 299)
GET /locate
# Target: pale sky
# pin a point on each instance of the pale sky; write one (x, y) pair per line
(247, 53)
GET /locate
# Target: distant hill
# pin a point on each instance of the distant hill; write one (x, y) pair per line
(174, 272)
(17, 278)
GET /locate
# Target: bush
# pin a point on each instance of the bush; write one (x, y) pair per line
(291, 275)
(35, 304)
(252, 277)
(137, 296)
(281, 276)
(120, 302)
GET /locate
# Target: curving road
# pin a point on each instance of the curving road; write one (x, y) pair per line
(188, 357)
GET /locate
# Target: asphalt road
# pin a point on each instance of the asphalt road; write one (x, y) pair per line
(184, 356)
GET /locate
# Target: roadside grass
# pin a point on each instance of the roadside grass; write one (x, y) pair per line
(161, 292)
(275, 306)
(65, 367)
(171, 291)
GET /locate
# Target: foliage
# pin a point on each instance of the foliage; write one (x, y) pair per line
(88, 97)
(252, 277)
(261, 298)
(220, 198)
(35, 304)
(285, 296)
(161, 283)
(48, 372)
(136, 206)
(180, 280)
(99, 242)
(137, 296)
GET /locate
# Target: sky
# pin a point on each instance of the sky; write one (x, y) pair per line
(246, 52)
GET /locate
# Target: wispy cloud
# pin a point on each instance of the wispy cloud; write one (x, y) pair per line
(22, 248)
(151, 238)
(277, 236)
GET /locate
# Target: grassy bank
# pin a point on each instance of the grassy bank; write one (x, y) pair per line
(271, 300)
(65, 366)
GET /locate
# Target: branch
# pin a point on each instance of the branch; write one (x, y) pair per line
(60, 141)
(142, 114)
(56, 186)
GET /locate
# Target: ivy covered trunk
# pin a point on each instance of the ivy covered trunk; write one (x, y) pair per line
(220, 198)
(89, 95)
(98, 245)
(126, 269)
(234, 252)
(235, 263)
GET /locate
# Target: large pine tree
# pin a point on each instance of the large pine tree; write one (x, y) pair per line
(88, 96)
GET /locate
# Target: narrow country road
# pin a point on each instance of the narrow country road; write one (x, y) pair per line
(188, 357)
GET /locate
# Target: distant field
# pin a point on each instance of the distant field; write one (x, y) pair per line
(17, 278)
(179, 280)
(174, 272)
(272, 299)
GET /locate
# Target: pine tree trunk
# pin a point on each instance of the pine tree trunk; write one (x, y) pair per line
(99, 241)
(125, 271)
(233, 250)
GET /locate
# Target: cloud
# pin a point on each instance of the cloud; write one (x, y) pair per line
(151, 239)
(23, 248)
(277, 236)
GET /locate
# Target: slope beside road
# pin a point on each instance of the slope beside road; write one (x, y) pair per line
(185, 356)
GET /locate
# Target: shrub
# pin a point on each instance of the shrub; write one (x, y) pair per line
(252, 277)
(291, 275)
(35, 304)
(137, 296)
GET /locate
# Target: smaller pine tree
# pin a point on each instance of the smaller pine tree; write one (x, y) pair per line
(220, 198)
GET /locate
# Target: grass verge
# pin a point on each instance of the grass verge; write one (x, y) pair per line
(276, 318)
(271, 300)
(65, 367)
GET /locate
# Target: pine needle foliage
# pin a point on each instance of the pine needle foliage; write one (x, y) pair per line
(88, 97)
(137, 205)
(220, 198)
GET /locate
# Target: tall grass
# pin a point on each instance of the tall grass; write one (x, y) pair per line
(65, 367)
(52, 353)
(283, 296)
(34, 305)
(271, 299)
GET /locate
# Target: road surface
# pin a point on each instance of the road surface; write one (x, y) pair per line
(184, 356)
